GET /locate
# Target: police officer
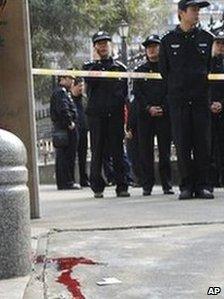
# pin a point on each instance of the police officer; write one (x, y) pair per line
(153, 120)
(80, 102)
(64, 116)
(185, 59)
(217, 102)
(105, 110)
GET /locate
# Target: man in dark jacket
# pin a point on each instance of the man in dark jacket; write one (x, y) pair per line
(217, 102)
(64, 116)
(80, 102)
(185, 59)
(153, 120)
(105, 110)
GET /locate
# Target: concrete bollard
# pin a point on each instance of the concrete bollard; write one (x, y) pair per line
(15, 236)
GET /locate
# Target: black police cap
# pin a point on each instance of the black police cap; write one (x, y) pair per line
(101, 35)
(183, 4)
(151, 39)
(219, 36)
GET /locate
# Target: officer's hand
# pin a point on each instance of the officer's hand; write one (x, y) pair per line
(128, 134)
(156, 111)
(72, 126)
(216, 107)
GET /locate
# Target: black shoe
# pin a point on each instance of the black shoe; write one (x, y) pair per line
(85, 184)
(110, 184)
(146, 192)
(74, 187)
(204, 194)
(98, 194)
(185, 194)
(123, 194)
(136, 185)
(168, 192)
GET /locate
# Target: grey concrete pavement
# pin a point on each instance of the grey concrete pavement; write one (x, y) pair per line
(180, 262)
(158, 247)
(78, 209)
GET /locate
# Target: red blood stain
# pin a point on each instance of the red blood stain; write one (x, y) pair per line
(66, 265)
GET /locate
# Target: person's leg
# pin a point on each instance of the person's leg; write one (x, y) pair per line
(181, 122)
(146, 150)
(134, 157)
(163, 132)
(61, 178)
(82, 155)
(221, 147)
(116, 136)
(97, 126)
(202, 145)
(127, 167)
(108, 168)
(70, 155)
(213, 170)
(65, 163)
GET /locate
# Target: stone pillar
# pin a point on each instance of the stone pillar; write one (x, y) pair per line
(15, 236)
(16, 87)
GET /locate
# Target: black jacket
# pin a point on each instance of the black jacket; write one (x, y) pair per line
(80, 106)
(149, 92)
(185, 59)
(105, 95)
(62, 108)
(217, 87)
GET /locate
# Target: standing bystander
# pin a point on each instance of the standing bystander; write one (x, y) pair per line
(105, 110)
(185, 59)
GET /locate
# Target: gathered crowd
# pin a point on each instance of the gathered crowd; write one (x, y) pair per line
(183, 107)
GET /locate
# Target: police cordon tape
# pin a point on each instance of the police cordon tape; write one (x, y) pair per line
(106, 74)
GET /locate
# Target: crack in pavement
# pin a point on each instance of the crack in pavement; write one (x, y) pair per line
(133, 227)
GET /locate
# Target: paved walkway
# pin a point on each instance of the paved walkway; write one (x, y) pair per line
(155, 247)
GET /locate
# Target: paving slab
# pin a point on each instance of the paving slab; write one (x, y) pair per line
(78, 209)
(172, 262)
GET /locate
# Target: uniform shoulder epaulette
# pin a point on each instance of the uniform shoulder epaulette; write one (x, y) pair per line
(88, 62)
(208, 32)
(119, 63)
(62, 90)
(87, 65)
(59, 91)
(139, 65)
(167, 33)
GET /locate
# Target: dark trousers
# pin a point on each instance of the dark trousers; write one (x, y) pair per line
(134, 156)
(82, 155)
(191, 132)
(103, 131)
(217, 151)
(108, 167)
(65, 161)
(148, 128)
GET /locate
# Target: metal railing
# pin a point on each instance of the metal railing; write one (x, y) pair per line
(46, 151)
